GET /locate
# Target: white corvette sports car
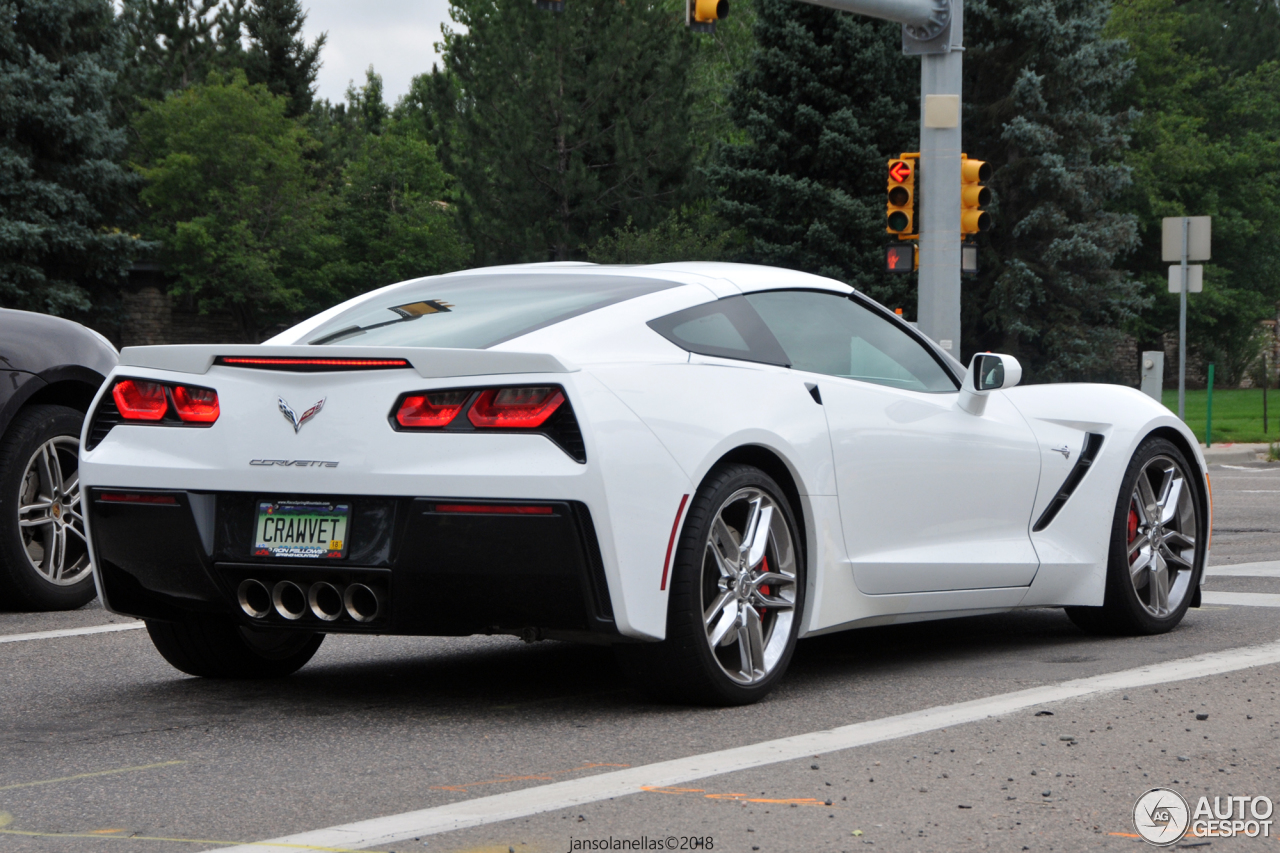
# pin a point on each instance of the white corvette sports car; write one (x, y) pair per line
(699, 463)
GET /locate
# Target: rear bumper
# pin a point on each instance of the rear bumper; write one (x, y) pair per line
(445, 573)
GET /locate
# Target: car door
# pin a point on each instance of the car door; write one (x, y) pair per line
(931, 497)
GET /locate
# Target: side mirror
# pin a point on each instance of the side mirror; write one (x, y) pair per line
(987, 372)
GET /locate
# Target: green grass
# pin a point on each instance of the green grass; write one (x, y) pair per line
(1237, 414)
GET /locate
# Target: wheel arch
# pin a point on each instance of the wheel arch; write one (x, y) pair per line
(1180, 441)
(768, 461)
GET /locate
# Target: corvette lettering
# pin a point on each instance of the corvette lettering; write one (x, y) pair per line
(294, 463)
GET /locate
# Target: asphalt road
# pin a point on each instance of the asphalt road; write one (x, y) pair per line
(104, 747)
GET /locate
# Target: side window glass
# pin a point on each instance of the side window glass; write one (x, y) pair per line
(726, 328)
(832, 334)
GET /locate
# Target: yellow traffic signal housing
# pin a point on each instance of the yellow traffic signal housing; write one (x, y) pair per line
(701, 15)
(974, 196)
(900, 212)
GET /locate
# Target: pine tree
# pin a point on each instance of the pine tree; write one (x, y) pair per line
(566, 124)
(61, 182)
(173, 44)
(279, 55)
(827, 99)
(1041, 81)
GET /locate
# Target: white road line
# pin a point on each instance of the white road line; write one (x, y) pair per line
(1246, 570)
(1242, 599)
(70, 632)
(619, 783)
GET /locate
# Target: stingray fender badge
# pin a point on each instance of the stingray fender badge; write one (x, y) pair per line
(292, 417)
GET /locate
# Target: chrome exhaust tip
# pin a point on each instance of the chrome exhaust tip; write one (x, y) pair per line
(289, 599)
(362, 603)
(325, 601)
(255, 598)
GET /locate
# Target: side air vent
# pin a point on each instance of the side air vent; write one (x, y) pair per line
(1092, 444)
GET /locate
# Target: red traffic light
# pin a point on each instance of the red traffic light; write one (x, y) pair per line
(900, 171)
(900, 258)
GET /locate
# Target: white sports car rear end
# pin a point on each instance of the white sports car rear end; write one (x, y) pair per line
(699, 463)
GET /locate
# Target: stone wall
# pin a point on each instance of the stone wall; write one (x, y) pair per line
(149, 315)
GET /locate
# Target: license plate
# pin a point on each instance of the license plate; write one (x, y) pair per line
(309, 529)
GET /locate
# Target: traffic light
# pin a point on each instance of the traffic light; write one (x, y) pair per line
(551, 5)
(901, 209)
(974, 196)
(701, 15)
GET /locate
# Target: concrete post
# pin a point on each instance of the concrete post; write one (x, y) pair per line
(1153, 375)
(939, 182)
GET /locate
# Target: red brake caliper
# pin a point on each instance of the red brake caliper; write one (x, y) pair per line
(1133, 529)
(764, 566)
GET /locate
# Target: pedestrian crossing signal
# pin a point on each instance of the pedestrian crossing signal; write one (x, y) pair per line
(900, 258)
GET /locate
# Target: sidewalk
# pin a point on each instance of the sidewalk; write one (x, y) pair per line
(1233, 453)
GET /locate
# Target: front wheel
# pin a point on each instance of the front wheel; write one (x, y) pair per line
(1157, 552)
(737, 593)
(216, 648)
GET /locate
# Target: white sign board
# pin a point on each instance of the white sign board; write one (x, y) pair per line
(1195, 278)
(1198, 238)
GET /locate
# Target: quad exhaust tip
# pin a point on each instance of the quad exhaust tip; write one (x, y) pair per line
(323, 600)
(362, 602)
(255, 598)
(289, 599)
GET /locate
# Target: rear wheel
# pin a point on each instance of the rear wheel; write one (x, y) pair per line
(44, 556)
(736, 596)
(1156, 552)
(216, 648)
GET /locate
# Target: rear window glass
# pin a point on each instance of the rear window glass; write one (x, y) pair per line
(477, 312)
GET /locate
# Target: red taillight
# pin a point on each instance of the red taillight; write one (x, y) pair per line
(287, 362)
(431, 410)
(140, 401)
(496, 509)
(195, 405)
(515, 408)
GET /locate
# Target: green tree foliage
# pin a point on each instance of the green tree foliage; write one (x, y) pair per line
(827, 99)
(61, 184)
(279, 55)
(392, 217)
(566, 125)
(692, 233)
(173, 44)
(229, 196)
(1041, 81)
(1206, 144)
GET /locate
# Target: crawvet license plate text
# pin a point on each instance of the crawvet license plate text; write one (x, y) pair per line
(301, 529)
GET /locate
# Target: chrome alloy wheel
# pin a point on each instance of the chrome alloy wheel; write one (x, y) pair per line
(1161, 536)
(49, 513)
(748, 586)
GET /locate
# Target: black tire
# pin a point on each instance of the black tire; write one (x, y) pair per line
(219, 648)
(685, 668)
(1126, 610)
(23, 586)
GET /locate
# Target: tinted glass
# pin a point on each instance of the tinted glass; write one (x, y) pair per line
(476, 312)
(832, 334)
(727, 328)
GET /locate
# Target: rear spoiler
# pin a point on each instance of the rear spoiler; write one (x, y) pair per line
(429, 362)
